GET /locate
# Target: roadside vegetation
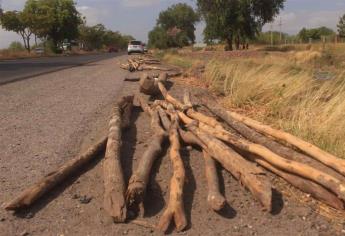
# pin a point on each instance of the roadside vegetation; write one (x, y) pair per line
(54, 27)
(301, 91)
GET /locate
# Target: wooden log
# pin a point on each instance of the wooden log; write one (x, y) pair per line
(244, 171)
(148, 67)
(126, 108)
(164, 118)
(175, 209)
(149, 84)
(290, 166)
(138, 182)
(312, 150)
(34, 192)
(315, 190)
(114, 185)
(309, 187)
(215, 199)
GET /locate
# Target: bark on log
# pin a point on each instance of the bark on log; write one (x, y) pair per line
(215, 199)
(175, 209)
(114, 185)
(33, 193)
(316, 191)
(138, 182)
(245, 172)
(312, 150)
(149, 84)
(126, 110)
(290, 166)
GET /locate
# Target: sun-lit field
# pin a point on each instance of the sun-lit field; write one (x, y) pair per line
(301, 90)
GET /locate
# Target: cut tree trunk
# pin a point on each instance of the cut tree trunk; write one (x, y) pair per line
(316, 191)
(307, 186)
(138, 182)
(114, 185)
(149, 85)
(215, 199)
(290, 166)
(244, 171)
(256, 137)
(33, 193)
(315, 152)
(175, 209)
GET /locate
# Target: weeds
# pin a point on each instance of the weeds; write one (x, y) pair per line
(284, 88)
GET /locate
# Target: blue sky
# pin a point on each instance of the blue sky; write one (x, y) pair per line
(137, 17)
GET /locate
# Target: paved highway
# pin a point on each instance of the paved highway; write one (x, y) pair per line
(15, 70)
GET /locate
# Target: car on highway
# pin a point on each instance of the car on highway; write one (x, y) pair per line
(135, 46)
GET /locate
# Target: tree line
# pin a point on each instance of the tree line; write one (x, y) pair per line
(233, 22)
(57, 22)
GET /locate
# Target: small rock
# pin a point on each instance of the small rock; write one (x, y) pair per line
(189, 148)
(2, 219)
(24, 233)
(125, 232)
(85, 199)
(343, 231)
(75, 196)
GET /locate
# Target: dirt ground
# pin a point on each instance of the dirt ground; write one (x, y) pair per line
(47, 120)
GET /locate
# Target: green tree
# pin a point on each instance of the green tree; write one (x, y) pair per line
(16, 47)
(341, 26)
(180, 16)
(55, 20)
(17, 22)
(315, 34)
(175, 27)
(236, 20)
(92, 36)
(158, 38)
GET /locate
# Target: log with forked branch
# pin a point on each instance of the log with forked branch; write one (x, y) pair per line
(175, 209)
(114, 185)
(247, 173)
(139, 179)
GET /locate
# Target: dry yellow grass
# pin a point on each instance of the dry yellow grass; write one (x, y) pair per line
(288, 92)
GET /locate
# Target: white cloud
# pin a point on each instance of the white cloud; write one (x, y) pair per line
(94, 15)
(139, 3)
(293, 22)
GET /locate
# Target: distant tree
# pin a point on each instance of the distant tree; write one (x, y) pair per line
(96, 37)
(179, 16)
(315, 33)
(341, 26)
(236, 20)
(55, 20)
(92, 36)
(16, 46)
(158, 38)
(175, 27)
(17, 22)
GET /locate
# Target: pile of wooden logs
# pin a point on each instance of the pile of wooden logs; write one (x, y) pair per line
(143, 63)
(244, 147)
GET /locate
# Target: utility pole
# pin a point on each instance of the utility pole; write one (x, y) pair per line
(271, 34)
(280, 29)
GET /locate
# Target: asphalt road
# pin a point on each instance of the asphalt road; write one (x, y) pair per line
(15, 70)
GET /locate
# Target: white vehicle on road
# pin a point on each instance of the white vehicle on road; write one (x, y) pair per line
(135, 46)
